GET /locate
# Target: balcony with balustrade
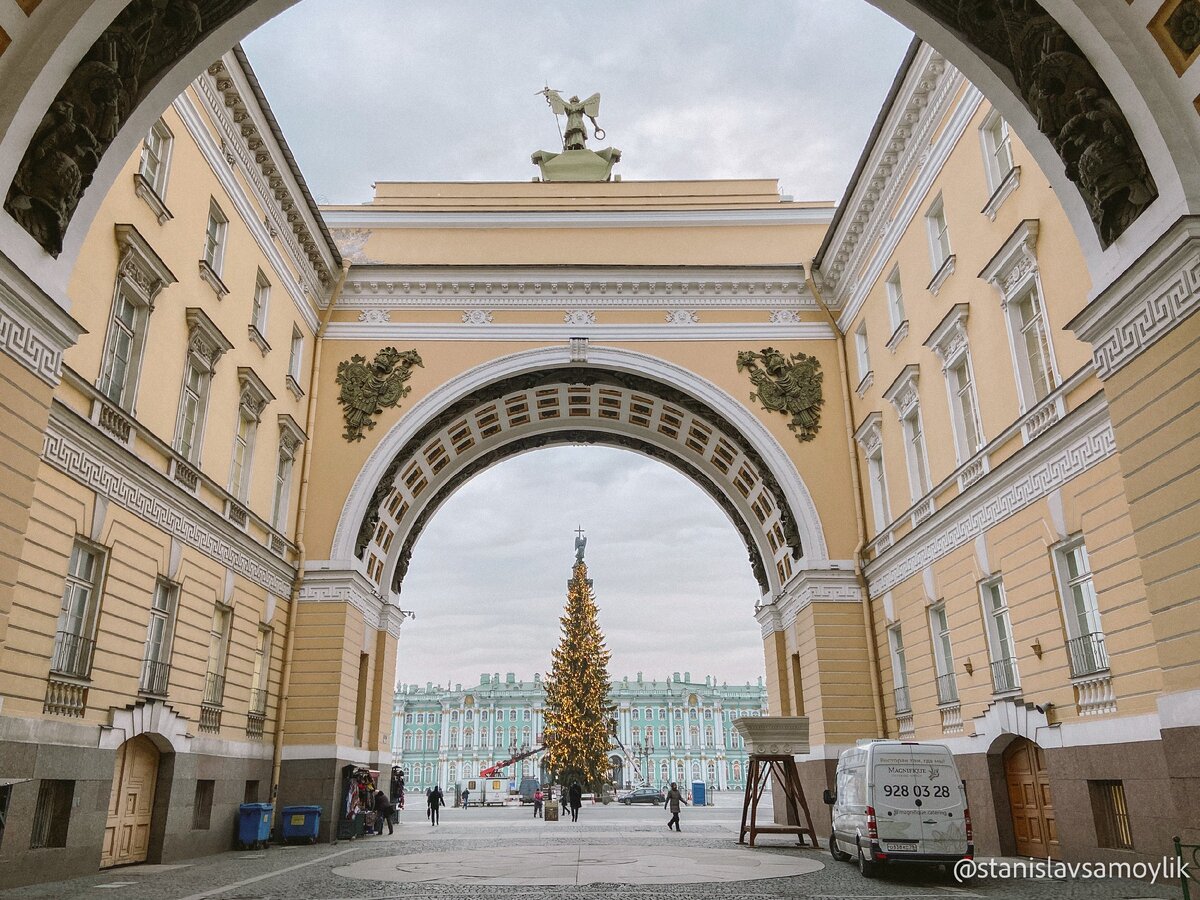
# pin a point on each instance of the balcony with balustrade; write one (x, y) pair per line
(1004, 675)
(156, 675)
(1087, 654)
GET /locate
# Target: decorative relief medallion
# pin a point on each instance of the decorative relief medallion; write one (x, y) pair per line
(682, 317)
(785, 317)
(580, 317)
(367, 388)
(375, 316)
(477, 317)
(787, 384)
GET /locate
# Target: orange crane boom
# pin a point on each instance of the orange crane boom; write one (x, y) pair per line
(492, 770)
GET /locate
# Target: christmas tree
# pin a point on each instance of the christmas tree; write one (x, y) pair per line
(577, 731)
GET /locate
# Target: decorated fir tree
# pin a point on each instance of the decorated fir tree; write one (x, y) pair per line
(576, 731)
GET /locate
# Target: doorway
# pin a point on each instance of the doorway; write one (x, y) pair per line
(1033, 816)
(131, 805)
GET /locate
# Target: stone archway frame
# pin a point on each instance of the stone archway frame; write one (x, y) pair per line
(1005, 720)
(752, 431)
(158, 721)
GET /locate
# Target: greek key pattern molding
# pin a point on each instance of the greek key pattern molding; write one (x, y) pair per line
(22, 340)
(70, 455)
(915, 551)
(1144, 322)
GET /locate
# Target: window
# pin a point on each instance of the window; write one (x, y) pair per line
(1085, 636)
(156, 666)
(918, 462)
(1000, 637)
(202, 804)
(662, 737)
(879, 498)
(243, 453)
(939, 234)
(296, 356)
(156, 157)
(251, 792)
(258, 306)
(943, 657)
(52, 815)
(863, 351)
(74, 639)
(218, 649)
(214, 237)
(899, 670)
(283, 488)
(123, 348)
(262, 669)
(678, 736)
(895, 298)
(964, 407)
(1034, 357)
(997, 149)
(192, 407)
(1111, 815)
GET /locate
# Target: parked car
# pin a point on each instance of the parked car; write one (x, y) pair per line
(899, 801)
(645, 795)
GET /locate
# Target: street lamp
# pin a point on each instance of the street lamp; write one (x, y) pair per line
(642, 751)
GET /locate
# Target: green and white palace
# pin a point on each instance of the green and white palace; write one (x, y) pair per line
(673, 730)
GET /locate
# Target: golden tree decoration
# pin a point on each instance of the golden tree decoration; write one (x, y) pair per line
(577, 728)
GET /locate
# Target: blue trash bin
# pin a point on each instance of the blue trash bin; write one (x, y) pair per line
(300, 823)
(254, 825)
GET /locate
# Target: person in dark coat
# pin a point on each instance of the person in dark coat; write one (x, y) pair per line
(674, 798)
(436, 801)
(576, 795)
(383, 813)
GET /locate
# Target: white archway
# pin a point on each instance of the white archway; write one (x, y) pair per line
(748, 428)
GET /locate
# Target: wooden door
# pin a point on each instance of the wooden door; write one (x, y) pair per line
(131, 805)
(1029, 796)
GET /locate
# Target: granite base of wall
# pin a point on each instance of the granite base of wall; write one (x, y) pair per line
(314, 782)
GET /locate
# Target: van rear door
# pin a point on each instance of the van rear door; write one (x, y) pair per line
(943, 801)
(893, 796)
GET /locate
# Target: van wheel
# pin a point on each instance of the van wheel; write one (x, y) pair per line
(866, 868)
(838, 855)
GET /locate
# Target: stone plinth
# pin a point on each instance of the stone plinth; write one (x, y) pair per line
(774, 735)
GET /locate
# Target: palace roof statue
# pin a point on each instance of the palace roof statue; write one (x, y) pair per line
(576, 162)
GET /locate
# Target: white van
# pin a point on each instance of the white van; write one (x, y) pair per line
(899, 801)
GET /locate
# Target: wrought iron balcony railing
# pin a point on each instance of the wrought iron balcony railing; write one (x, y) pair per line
(902, 703)
(72, 654)
(1087, 654)
(947, 689)
(258, 702)
(214, 689)
(1004, 675)
(155, 677)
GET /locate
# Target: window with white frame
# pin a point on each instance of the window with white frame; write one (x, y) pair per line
(218, 651)
(914, 447)
(123, 348)
(939, 234)
(943, 655)
(193, 405)
(156, 157)
(1034, 357)
(262, 670)
(870, 439)
(290, 437)
(1085, 635)
(1001, 648)
(74, 637)
(243, 453)
(997, 149)
(258, 305)
(964, 407)
(214, 237)
(296, 356)
(895, 298)
(863, 351)
(156, 664)
(899, 670)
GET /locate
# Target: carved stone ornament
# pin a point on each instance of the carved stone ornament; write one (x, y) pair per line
(375, 316)
(477, 317)
(787, 384)
(785, 317)
(367, 388)
(580, 317)
(98, 97)
(1069, 100)
(682, 317)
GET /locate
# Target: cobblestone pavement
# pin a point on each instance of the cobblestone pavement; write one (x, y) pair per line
(491, 838)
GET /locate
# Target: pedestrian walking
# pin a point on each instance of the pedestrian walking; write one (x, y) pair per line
(465, 794)
(383, 813)
(436, 801)
(674, 798)
(576, 795)
(538, 798)
(427, 806)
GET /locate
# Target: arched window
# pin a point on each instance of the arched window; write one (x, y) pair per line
(680, 773)
(695, 731)
(649, 739)
(712, 773)
(678, 735)
(525, 733)
(408, 741)
(431, 739)
(468, 716)
(453, 738)
(649, 713)
(526, 716)
(420, 744)
(708, 736)
(695, 771)
(453, 776)
(666, 771)
(468, 739)
(408, 719)
(662, 737)
(736, 772)
(454, 715)
(708, 714)
(468, 770)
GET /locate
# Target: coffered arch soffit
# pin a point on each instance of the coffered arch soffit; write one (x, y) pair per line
(617, 398)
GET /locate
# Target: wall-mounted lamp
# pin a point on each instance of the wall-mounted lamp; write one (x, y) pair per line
(969, 666)
(1036, 647)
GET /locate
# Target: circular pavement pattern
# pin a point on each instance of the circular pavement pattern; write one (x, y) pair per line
(609, 864)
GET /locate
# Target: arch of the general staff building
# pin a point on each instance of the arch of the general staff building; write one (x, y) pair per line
(1100, 92)
(581, 394)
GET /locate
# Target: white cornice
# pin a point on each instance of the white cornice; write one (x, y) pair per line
(733, 331)
(322, 585)
(74, 446)
(370, 217)
(535, 287)
(1153, 296)
(34, 330)
(192, 118)
(1069, 448)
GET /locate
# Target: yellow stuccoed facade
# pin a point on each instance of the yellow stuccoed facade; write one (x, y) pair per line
(989, 542)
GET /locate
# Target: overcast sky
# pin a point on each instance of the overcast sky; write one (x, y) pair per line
(402, 90)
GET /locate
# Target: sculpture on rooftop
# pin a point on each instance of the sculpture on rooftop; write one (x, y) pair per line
(576, 162)
(575, 137)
